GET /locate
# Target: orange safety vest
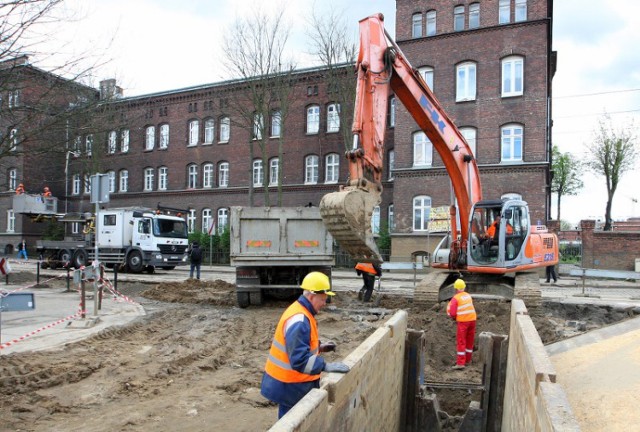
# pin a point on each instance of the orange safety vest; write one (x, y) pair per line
(366, 267)
(278, 365)
(466, 312)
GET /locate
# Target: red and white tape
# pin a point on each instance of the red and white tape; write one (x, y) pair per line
(48, 326)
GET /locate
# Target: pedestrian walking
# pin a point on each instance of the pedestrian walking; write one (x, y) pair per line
(22, 250)
(195, 258)
(461, 309)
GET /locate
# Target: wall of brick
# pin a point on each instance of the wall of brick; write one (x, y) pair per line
(611, 250)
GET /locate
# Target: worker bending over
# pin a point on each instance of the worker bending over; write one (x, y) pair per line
(293, 366)
(461, 309)
(369, 271)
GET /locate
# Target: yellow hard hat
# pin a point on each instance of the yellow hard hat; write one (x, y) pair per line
(317, 283)
(459, 284)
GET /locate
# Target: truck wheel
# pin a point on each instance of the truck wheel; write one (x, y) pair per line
(134, 261)
(79, 258)
(255, 298)
(243, 299)
(65, 256)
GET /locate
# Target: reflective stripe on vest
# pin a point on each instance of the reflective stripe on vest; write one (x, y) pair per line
(466, 312)
(278, 365)
(366, 267)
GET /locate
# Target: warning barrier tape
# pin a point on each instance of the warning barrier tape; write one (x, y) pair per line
(6, 293)
(48, 326)
(117, 294)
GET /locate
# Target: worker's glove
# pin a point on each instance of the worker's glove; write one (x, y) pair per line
(327, 346)
(336, 367)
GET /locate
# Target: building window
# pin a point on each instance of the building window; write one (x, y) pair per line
(474, 15)
(13, 179)
(390, 220)
(223, 174)
(191, 220)
(150, 138)
(426, 72)
(392, 111)
(163, 178)
(11, 221)
(416, 25)
(89, 144)
(209, 131)
(13, 139)
(274, 170)
(77, 144)
(124, 137)
(431, 23)
(504, 11)
(333, 117)
(192, 176)
(332, 168)
(225, 129)
(392, 164)
(375, 220)
(521, 10)
(258, 126)
(313, 119)
(75, 184)
(112, 181)
(512, 76)
(207, 220)
(511, 139)
(458, 18)
(276, 124)
(311, 169)
(148, 179)
(223, 219)
(87, 184)
(124, 181)
(194, 132)
(207, 175)
(14, 98)
(111, 142)
(469, 135)
(421, 211)
(164, 136)
(466, 82)
(258, 173)
(422, 150)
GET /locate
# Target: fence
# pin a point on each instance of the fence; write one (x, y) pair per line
(570, 253)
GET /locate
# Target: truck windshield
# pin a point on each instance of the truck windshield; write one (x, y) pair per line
(169, 228)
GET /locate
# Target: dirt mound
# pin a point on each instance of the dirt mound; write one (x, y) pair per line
(216, 292)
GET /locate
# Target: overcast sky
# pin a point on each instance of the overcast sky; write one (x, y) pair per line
(157, 45)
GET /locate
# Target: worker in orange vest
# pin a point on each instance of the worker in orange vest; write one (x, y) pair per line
(293, 366)
(369, 271)
(461, 309)
(20, 189)
(47, 192)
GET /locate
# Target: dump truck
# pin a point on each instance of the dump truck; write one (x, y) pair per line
(273, 249)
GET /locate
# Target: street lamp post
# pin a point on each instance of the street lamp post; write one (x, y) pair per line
(66, 179)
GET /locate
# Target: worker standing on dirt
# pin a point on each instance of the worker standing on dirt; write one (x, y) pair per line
(293, 366)
(195, 258)
(369, 271)
(461, 309)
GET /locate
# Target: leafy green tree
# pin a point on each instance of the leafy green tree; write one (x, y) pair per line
(613, 152)
(566, 175)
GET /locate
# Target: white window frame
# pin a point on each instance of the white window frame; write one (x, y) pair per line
(194, 132)
(88, 144)
(150, 138)
(209, 131)
(124, 137)
(75, 184)
(192, 176)
(520, 11)
(223, 174)
(426, 72)
(333, 117)
(474, 16)
(313, 119)
(225, 129)
(164, 136)
(112, 142)
(13, 179)
(123, 180)
(421, 213)
(14, 98)
(504, 11)
(466, 82)
(511, 143)
(191, 220)
(11, 221)
(512, 76)
(431, 23)
(75, 227)
(416, 25)
(258, 173)
(276, 123)
(331, 168)
(87, 184)
(375, 220)
(13, 139)
(149, 177)
(311, 168)
(223, 219)
(163, 178)
(207, 175)
(391, 159)
(207, 219)
(274, 168)
(458, 18)
(470, 136)
(390, 219)
(258, 126)
(422, 150)
(112, 181)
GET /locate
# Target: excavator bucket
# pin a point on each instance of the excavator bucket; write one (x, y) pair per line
(347, 216)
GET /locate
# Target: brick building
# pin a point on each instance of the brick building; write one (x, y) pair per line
(489, 63)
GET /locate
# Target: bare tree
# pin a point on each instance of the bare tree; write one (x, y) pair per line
(566, 175)
(255, 53)
(613, 152)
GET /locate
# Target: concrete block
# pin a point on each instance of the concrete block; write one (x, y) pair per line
(307, 415)
(554, 410)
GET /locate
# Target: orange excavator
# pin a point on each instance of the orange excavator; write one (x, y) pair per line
(488, 239)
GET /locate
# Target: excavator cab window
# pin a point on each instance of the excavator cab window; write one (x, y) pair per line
(485, 227)
(517, 219)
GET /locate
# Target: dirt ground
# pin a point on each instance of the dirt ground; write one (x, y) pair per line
(195, 361)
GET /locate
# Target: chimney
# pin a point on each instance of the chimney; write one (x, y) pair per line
(109, 89)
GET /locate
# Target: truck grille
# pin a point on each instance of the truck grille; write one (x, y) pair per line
(172, 249)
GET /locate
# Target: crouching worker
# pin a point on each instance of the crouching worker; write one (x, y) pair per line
(461, 309)
(293, 366)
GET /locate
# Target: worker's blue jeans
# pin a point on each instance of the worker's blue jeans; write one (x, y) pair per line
(195, 266)
(23, 253)
(282, 410)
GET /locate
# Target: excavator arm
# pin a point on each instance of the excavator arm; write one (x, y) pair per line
(382, 68)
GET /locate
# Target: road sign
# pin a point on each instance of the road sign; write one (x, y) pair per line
(5, 268)
(15, 302)
(99, 188)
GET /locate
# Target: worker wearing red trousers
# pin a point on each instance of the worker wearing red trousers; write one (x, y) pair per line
(461, 309)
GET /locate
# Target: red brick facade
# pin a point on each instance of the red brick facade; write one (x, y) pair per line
(612, 250)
